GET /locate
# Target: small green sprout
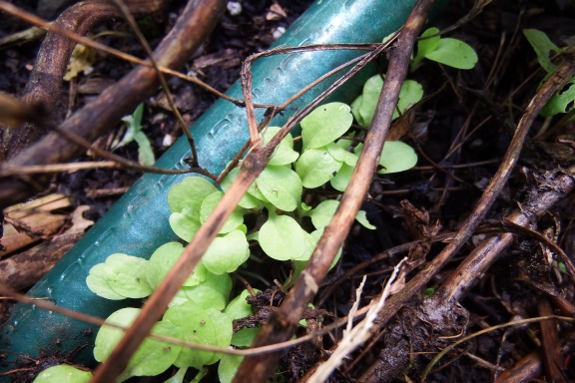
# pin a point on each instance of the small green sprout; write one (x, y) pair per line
(63, 374)
(134, 133)
(451, 52)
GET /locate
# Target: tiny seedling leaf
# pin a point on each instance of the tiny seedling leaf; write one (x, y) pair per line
(342, 155)
(396, 157)
(97, 282)
(315, 167)
(152, 358)
(210, 203)
(325, 124)
(63, 374)
(162, 261)
(184, 224)
(543, 47)
(454, 53)
(227, 253)
(426, 46)
(561, 101)
(224, 330)
(322, 214)
(361, 217)
(281, 237)
(239, 308)
(196, 326)
(190, 193)
(281, 186)
(126, 275)
(284, 153)
(213, 293)
(341, 179)
(248, 201)
(229, 366)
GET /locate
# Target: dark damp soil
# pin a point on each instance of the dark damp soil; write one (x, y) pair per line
(475, 113)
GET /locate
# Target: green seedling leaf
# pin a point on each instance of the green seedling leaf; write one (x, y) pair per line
(310, 243)
(341, 179)
(185, 224)
(362, 219)
(325, 124)
(227, 253)
(543, 47)
(239, 308)
(324, 212)
(561, 101)
(228, 367)
(281, 237)
(152, 358)
(341, 155)
(426, 46)
(454, 53)
(284, 153)
(410, 93)
(162, 261)
(179, 377)
(98, 283)
(145, 152)
(213, 293)
(224, 329)
(196, 326)
(63, 374)
(281, 186)
(123, 274)
(210, 203)
(315, 167)
(190, 193)
(396, 157)
(355, 105)
(248, 201)
(134, 133)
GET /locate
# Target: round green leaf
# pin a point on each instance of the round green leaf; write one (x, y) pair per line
(410, 93)
(228, 367)
(281, 186)
(162, 261)
(396, 157)
(190, 192)
(196, 326)
(323, 213)
(454, 53)
(361, 217)
(63, 374)
(371, 90)
(355, 105)
(248, 201)
(281, 238)
(227, 253)
(325, 124)
(96, 281)
(213, 292)
(245, 337)
(210, 203)
(126, 275)
(184, 226)
(342, 155)
(284, 153)
(426, 46)
(315, 167)
(224, 330)
(341, 179)
(152, 358)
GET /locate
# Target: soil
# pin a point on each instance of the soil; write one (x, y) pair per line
(442, 188)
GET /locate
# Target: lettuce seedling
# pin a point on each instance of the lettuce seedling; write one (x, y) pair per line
(63, 374)
(444, 50)
(134, 133)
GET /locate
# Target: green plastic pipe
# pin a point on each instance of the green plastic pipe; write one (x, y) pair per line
(138, 223)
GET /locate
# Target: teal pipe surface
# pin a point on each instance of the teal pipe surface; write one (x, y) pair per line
(138, 223)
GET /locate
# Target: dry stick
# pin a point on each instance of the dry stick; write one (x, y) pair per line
(157, 303)
(196, 21)
(487, 252)
(6, 171)
(283, 322)
(35, 20)
(130, 18)
(511, 157)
